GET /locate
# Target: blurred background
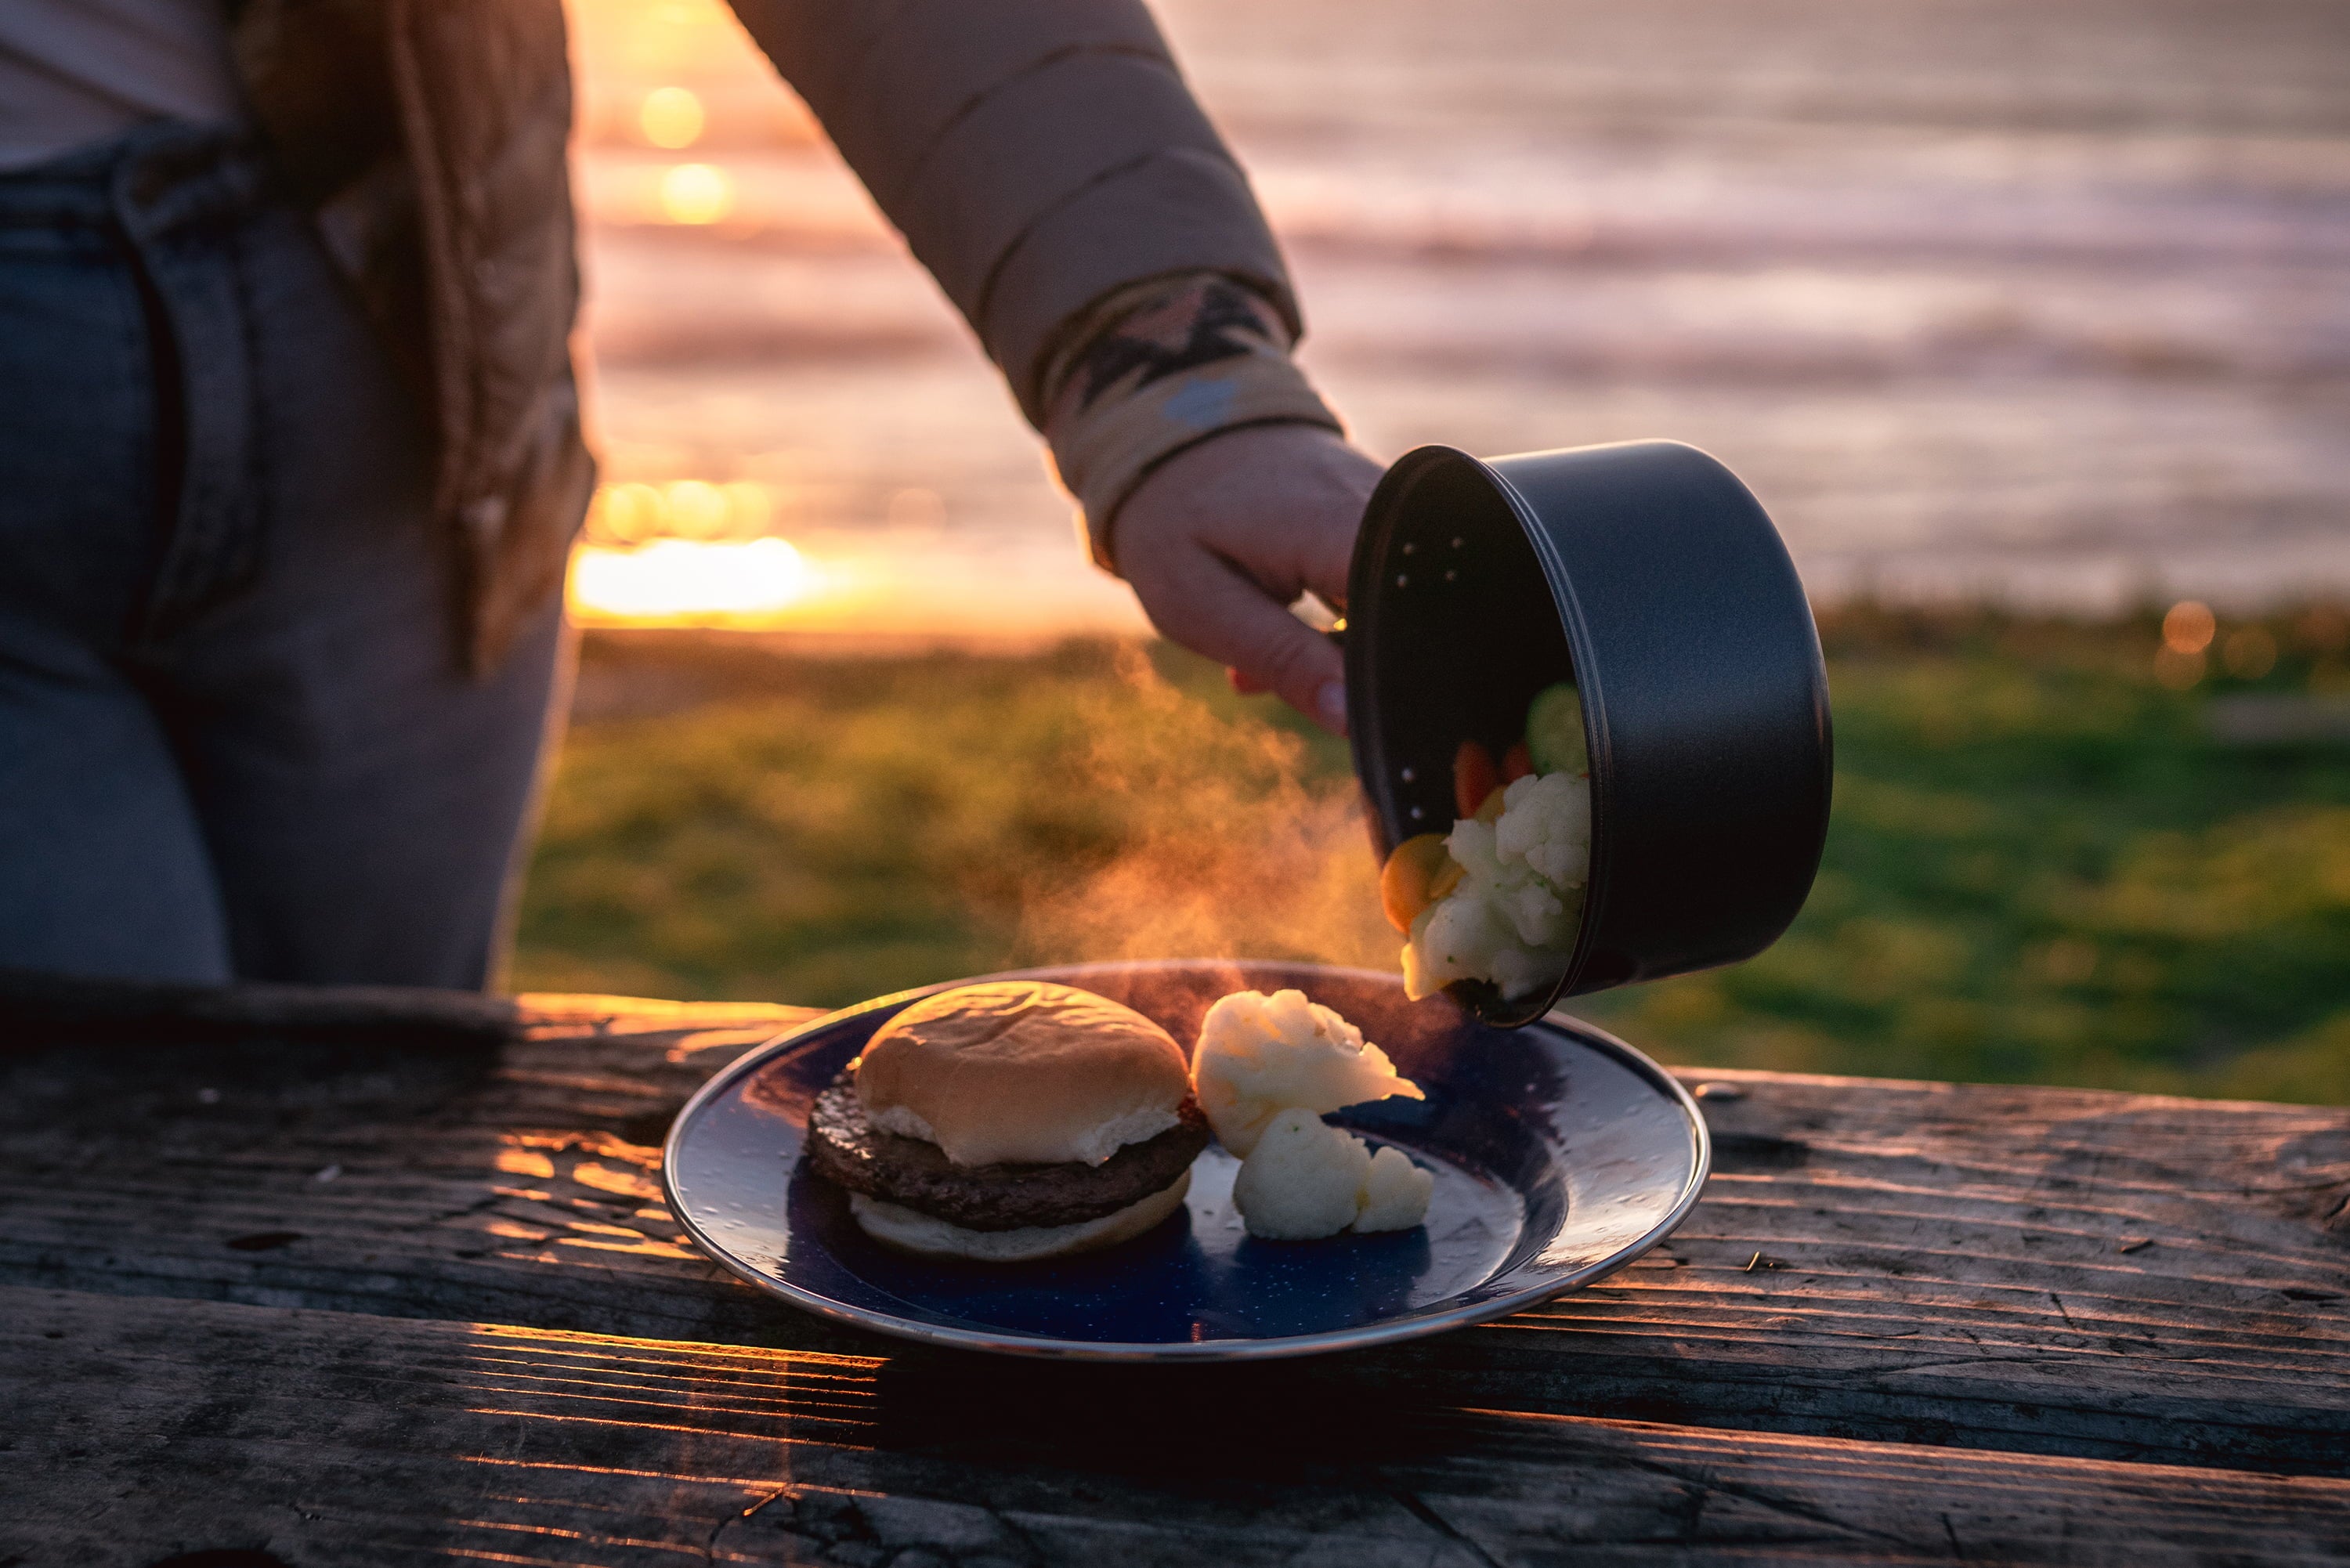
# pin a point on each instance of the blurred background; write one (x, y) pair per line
(2028, 323)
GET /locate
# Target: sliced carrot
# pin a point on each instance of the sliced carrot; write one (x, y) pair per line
(1489, 810)
(1516, 762)
(1407, 881)
(1474, 777)
(1447, 877)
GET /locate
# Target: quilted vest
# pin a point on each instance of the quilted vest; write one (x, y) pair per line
(430, 137)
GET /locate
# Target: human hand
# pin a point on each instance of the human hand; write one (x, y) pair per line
(1222, 539)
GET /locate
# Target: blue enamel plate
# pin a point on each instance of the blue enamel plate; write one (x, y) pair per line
(1560, 1155)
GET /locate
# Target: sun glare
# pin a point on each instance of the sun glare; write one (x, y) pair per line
(672, 116)
(696, 193)
(686, 580)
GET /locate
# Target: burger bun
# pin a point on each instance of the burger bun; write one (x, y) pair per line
(1022, 1071)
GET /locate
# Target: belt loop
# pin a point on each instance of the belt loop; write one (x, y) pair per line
(185, 198)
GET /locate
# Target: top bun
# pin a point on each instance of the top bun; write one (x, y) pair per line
(1022, 1071)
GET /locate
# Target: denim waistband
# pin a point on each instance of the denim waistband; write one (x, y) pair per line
(156, 178)
(190, 218)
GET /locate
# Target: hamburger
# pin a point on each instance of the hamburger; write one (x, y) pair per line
(1011, 1121)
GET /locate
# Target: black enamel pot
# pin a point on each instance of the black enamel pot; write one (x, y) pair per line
(1649, 577)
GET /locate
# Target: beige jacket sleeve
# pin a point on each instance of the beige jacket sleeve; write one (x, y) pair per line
(1038, 155)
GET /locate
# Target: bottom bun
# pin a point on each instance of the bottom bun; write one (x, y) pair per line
(913, 1231)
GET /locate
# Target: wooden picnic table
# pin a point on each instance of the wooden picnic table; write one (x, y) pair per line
(325, 1298)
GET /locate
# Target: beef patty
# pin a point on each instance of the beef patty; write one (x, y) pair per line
(846, 1147)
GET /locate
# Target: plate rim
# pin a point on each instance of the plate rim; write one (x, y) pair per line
(1269, 1349)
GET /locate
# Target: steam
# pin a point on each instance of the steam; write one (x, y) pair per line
(1225, 844)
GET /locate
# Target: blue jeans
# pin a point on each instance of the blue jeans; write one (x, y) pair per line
(236, 735)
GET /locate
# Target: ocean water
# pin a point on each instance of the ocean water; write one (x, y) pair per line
(2046, 302)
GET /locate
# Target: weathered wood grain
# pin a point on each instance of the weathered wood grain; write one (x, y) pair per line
(2047, 1271)
(36, 1005)
(148, 1428)
(2040, 1268)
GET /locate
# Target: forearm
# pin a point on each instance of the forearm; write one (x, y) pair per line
(1038, 155)
(1046, 162)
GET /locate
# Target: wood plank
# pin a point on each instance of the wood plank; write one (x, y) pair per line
(140, 1428)
(39, 1005)
(2046, 1269)
(2036, 1269)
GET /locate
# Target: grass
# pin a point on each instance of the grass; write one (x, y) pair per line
(2041, 869)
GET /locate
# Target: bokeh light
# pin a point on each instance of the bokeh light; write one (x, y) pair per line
(634, 513)
(697, 510)
(2250, 653)
(749, 508)
(2322, 631)
(672, 116)
(2188, 626)
(626, 515)
(696, 193)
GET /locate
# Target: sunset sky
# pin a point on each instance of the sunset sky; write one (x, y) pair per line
(2000, 299)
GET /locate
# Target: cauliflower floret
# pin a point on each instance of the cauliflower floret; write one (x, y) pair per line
(1422, 976)
(1510, 919)
(1453, 938)
(1261, 1054)
(1302, 1180)
(1475, 847)
(1545, 826)
(1536, 914)
(1467, 936)
(1395, 1193)
(1492, 873)
(1523, 971)
(1306, 1179)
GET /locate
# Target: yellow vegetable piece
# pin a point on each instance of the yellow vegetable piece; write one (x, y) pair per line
(1406, 880)
(1491, 811)
(1447, 877)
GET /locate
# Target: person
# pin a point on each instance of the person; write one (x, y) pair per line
(291, 461)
